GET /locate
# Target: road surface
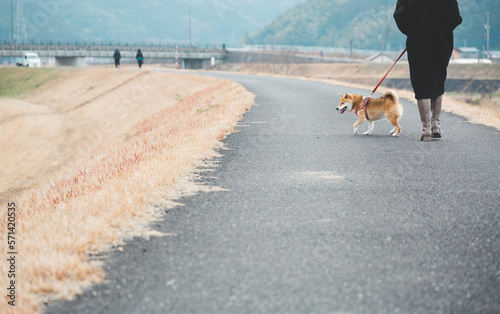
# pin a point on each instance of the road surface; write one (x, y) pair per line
(318, 220)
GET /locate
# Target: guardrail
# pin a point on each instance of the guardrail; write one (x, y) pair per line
(108, 46)
(311, 49)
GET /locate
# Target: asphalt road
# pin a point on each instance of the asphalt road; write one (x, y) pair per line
(318, 220)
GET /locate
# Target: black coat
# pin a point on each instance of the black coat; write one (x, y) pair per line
(139, 55)
(117, 55)
(428, 25)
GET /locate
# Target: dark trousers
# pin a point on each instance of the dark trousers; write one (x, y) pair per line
(117, 63)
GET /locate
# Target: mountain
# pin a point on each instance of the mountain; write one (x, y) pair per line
(367, 24)
(336, 23)
(214, 21)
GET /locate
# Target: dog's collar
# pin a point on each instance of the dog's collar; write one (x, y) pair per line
(363, 107)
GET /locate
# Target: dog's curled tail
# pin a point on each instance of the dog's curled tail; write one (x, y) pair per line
(392, 95)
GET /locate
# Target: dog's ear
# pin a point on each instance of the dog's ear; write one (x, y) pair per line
(346, 95)
(341, 95)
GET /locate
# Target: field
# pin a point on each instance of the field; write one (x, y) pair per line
(89, 156)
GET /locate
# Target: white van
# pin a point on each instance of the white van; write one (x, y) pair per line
(30, 60)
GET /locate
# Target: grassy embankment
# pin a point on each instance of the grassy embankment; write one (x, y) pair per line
(19, 82)
(102, 151)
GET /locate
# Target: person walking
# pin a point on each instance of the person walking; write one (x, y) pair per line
(429, 26)
(117, 56)
(140, 58)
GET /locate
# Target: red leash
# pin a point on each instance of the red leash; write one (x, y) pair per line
(374, 90)
(367, 99)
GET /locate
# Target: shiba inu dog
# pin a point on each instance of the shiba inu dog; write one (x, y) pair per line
(373, 109)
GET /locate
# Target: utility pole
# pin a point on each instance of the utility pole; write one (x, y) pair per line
(12, 22)
(189, 26)
(487, 26)
(21, 35)
(351, 41)
(388, 46)
(272, 37)
(358, 30)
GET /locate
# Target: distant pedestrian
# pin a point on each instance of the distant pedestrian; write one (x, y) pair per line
(117, 56)
(428, 25)
(140, 58)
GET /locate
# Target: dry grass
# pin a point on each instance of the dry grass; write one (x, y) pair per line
(110, 193)
(363, 70)
(486, 113)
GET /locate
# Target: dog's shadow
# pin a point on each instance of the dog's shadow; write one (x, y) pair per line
(376, 138)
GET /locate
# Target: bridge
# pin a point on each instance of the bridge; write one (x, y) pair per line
(76, 54)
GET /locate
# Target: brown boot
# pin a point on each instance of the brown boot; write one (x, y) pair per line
(424, 107)
(436, 112)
